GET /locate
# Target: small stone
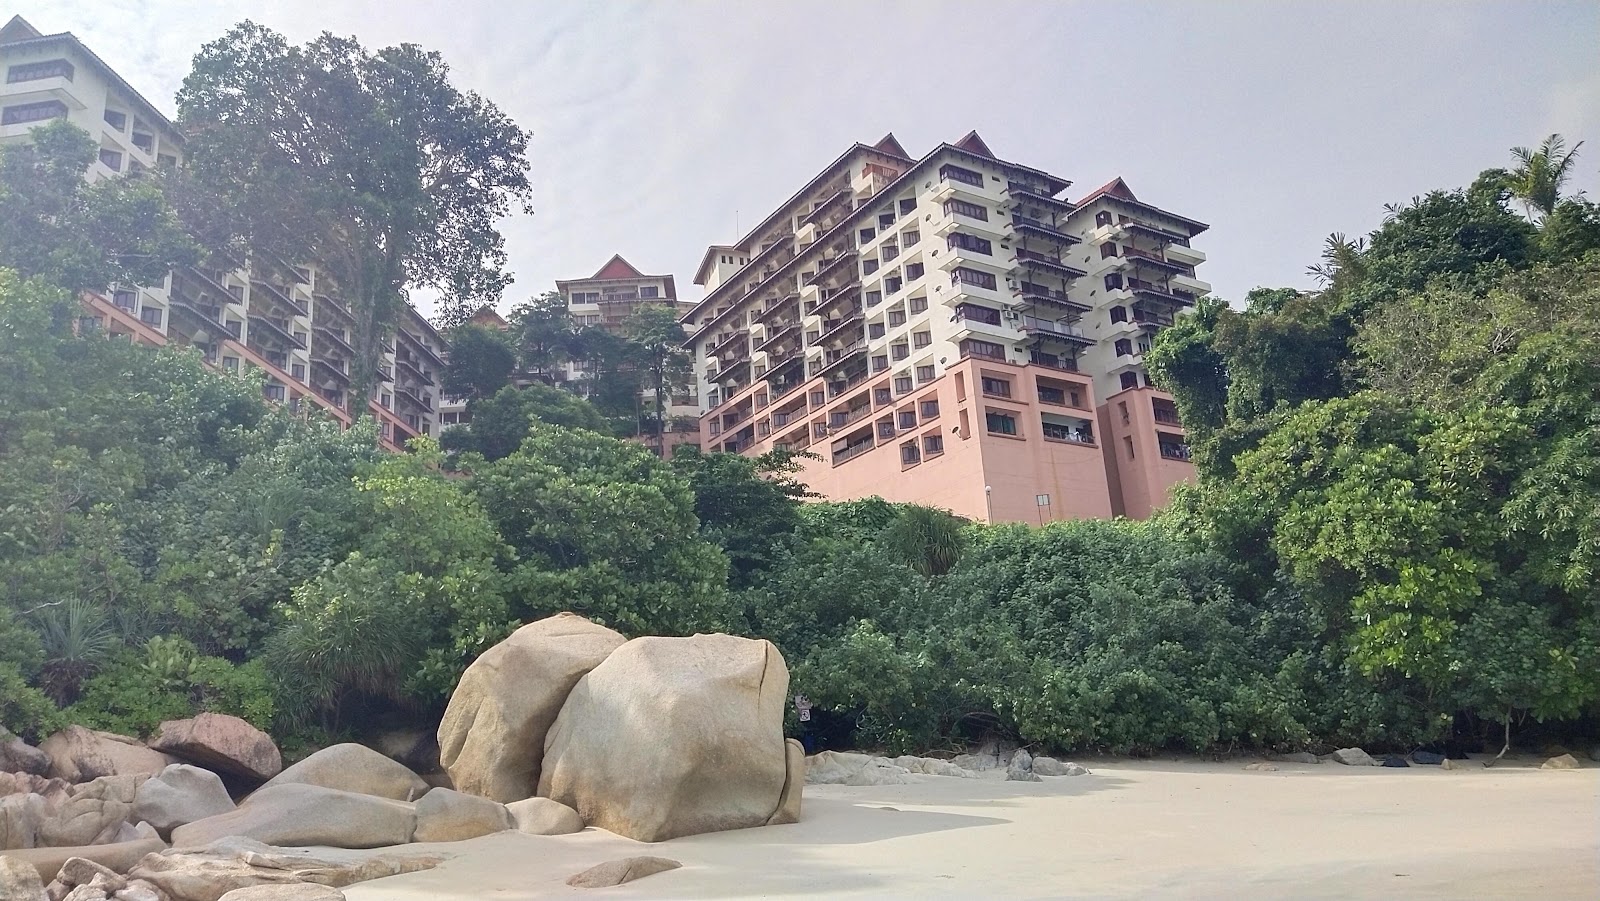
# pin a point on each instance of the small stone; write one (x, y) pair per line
(1353, 757)
(1563, 762)
(1262, 767)
(79, 871)
(139, 890)
(1299, 757)
(627, 869)
(542, 816)
(302, 891)
(1448, 764)
(1022, 760)
(17, 756)
(1395, 760)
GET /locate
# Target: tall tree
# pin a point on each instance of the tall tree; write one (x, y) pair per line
(658, 342)
(370, 164)
(1540, 174)
(543, 333)
(481, 362)
(57, 226)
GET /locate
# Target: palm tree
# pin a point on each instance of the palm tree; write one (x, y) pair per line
(1341, 261)
(78, 636)
(929, 540)
(1539, 175)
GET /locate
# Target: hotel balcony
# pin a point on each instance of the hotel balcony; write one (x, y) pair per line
(833, 361)
(834, 329)
(1026, 193)
(726, 343)
(1187, 285)
(1056, 331)
(774, 307)
(1144, 259)
(985, 322)
(1153, 291)
(275, 331)
(335, 338)
(1059, 362)
(1180, 253)
(1039, 228)
(1039, 262)
(775, 332)
(1034, 293)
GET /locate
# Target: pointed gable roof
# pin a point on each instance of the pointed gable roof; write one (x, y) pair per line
(617, 267)
(18, 29)
(971, 143)
(889, 144)
(1113, 188)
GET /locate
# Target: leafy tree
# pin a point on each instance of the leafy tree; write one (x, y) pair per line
(605, 528)
(371, 164)
(928, 540)
(667, 365)
(1540, 175)
(1570, 231)
(747, 506)
(1185, 361)
(57, 226)
(544, 335)
(502, 422)
(481, 362)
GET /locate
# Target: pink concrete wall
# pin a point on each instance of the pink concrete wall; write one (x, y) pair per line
(1145, 481)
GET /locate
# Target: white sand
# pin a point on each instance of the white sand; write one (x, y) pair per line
(1129, 830)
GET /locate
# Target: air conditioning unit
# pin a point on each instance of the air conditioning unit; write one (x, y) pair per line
(1012, 314)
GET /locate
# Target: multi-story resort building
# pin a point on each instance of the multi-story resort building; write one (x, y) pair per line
(605, 300)
(950, 331)
(283, 320)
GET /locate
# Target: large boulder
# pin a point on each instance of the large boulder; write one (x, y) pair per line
(93, 814)
(932, 766)
(97, 880)
(17, 756)
(1561, 762)
(53, 790)
(79, 755)
(353, 768)
(450, 816)
(674, 736)
(834, 767)
(492, 737)
(179, 795)
(117, 857)
(221, 743)
(542, 816)
(21, 815)
(211, 872)
(1049, 766)
(301, 815)
(19, 881)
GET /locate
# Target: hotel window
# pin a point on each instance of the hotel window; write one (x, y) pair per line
(166, 159)
(921, 339)
(1108, 249)
(650, 291)
(875, 330)
(918, 304)
(1124, 347)
(1119, 314)
(1000, 423)
(914, 271)
(869, 266)
(930, 409)
(1127, 442)
(881, 396)
(909, 455)
(867, 234)
(298, 370)
(880, 363)
(925, 373)
(972, 243)
(818, 398)
(874, 298)
(1114, 281)
(899, 351)
(886, 220)
(151, 316)
(996, 387)
(1102, 218)
(51, 68)
(115, 119)
(908, 206)
(932, 444)
(892, 284)
(907, 419)
(274, 393)
(965, 176)
(897, 317)
(902, 384)
(1130, 380)
(963, 208)
(231, 364)
(909, 238)
(964, 276)
(33, 112)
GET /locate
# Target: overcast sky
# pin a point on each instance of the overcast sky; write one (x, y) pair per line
(662, 127)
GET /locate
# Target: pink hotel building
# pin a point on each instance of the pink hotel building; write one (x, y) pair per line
(951, 332)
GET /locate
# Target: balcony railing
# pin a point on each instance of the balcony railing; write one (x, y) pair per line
(975, 313)
(1170, 417)
(1034, 324)
(1053, 361)
(1073, 435)
(1019, 189)
(852, 451)
(1047, 228)
(1171, 451)
(957, 174)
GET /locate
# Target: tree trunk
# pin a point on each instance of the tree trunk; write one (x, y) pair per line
(1507, 746)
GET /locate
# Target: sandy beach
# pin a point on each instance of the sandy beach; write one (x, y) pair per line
(1130, 829)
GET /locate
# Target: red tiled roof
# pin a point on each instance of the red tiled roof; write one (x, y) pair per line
(889, 144)
(971, 143)
(617, 267)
